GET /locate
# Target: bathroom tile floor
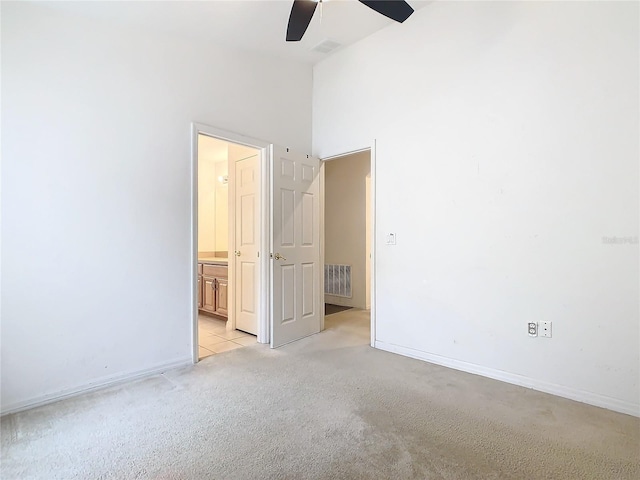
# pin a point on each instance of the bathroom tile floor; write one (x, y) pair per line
(213, 337)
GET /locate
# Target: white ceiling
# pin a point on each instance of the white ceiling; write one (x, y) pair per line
(257, 25)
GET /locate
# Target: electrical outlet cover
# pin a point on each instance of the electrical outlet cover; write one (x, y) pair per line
(533, 329)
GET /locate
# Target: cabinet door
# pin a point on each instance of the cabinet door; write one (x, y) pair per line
(221, 297)
(209, 294)
(199, 291)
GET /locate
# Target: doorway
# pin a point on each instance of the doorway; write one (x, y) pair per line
(348, 232)
(227, 239)
(288, 272)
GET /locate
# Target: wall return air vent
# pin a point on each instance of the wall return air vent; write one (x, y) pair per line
(337, 280)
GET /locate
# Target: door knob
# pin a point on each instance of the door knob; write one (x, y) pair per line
(277, 256)
(237, 252)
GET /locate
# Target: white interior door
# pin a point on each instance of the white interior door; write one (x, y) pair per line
(295, 242)
(247, 242)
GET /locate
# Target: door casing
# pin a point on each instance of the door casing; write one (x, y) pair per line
(372, 149)
(263, 297)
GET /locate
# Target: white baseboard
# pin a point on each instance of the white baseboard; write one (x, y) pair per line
(542, 386)
(93, 386)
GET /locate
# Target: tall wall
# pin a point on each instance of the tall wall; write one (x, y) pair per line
(96, 140)
(345, 222)
(507, 158)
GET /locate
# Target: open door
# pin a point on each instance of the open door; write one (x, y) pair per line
(295, 241)
(247, 243)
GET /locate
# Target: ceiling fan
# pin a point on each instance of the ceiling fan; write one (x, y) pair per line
(302, 12)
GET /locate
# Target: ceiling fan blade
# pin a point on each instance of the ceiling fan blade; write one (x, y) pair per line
(301, 14)
(397, 10)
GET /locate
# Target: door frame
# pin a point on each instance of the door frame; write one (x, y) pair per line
(371, 148)
(263, 297)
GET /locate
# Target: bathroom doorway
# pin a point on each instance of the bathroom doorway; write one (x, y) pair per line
(228, 239)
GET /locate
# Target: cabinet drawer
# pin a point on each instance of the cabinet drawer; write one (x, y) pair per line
(215, 270)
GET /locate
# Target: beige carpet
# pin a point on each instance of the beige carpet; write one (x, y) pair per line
(327, 407)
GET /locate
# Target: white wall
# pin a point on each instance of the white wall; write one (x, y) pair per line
(345, 222)
(211, 151)
(507, 148)
(240, 152)
(222, 207)
(96, 138)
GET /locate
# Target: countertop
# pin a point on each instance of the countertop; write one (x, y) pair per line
(214, 260)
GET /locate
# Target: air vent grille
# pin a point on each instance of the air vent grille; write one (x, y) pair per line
(326, 46)
(337, 280)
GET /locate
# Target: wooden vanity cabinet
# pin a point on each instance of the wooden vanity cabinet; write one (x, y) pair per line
(208, 294)
(213, 281)
(221, 297)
